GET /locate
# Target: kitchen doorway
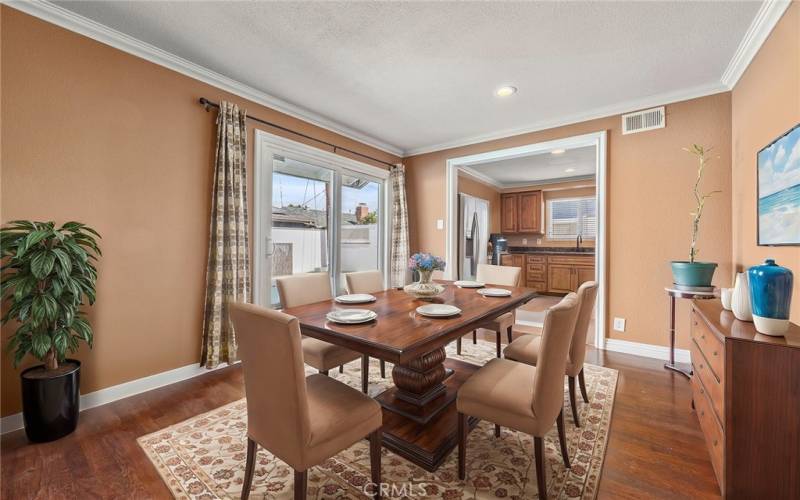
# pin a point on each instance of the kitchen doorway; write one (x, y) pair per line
(548, 201)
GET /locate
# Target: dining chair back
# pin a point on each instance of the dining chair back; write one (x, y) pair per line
(272, 360)
(587, 293)
(548, 386)
(498, 275)
(364, 281)
(300, 289)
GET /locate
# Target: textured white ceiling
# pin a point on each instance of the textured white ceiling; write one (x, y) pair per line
(541, 167)
(422, 75)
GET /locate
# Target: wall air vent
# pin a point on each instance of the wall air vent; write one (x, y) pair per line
(641, 121)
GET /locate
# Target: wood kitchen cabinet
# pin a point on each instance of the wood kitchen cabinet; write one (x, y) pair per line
(566, 273)
(508, 213)
(521, 212)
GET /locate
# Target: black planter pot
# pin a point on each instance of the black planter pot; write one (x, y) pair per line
(50, 403)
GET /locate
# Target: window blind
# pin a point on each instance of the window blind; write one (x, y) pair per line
(570, 217)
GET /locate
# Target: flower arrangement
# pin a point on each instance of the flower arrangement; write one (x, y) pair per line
(426, 262)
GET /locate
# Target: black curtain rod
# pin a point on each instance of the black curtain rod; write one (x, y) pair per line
(209, 104)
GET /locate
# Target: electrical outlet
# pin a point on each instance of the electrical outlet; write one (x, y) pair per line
(524, 241)
(619, 324)
(538, 241)
(439, 223)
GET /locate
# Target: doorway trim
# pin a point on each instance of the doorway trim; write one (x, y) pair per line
(597, 139)
(265, 146)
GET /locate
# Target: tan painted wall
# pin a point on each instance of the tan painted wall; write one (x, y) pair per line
(552, 192)
(765, 104)
(649, 200)
(93, 134)
(473, 187)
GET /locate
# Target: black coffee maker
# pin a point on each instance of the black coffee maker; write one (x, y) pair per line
(499, 246)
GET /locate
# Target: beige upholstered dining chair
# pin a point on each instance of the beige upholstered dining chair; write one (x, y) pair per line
(317, 416)
(366, 282)
(301, 289)
(526, 348)
(522, 397)
(496, 275)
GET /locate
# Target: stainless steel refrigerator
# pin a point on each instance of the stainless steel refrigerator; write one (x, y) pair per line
(473, 235)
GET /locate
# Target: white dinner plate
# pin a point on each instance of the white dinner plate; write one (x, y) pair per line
(351, 316)
(469, 284)
(355, 298)
(494, 292)
(438, 310)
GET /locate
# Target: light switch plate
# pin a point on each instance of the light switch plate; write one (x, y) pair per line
(439, 223)
(524, 241)
(619, 324)
(538, 241)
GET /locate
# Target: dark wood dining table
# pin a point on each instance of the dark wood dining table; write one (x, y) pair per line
(419, 415)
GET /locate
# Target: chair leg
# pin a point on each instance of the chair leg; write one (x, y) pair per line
(474, 336)
(572, 401)
(365, 374)
(562, 438)
(300, 485)
(324, 372)
(498, 344)
(383, 369)
(462, 446)
(252, 449)
(510, 334)
(582, 383)
(341, 368)
(538, 454)
(458, 345)
(496, 431)
(375, 461)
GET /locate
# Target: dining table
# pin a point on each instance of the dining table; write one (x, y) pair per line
(419, 411)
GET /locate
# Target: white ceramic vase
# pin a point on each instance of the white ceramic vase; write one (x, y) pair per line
(726, 296)
(740, 301)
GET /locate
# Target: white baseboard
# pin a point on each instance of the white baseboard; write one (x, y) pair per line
(646, 350)
(123, 390)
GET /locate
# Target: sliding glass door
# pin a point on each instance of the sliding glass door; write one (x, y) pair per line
(314, 215)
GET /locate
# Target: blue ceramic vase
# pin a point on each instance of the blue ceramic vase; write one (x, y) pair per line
(770, 297)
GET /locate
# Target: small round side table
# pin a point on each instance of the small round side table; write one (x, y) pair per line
(683, 368)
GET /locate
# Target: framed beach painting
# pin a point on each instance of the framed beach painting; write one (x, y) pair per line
(779, 191)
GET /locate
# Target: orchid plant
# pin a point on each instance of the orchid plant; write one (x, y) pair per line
(702, 155)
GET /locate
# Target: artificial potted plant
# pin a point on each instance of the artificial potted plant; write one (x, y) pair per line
(693, 273)
(47, 275)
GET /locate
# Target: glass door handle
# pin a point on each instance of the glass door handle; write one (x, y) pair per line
(269, 247)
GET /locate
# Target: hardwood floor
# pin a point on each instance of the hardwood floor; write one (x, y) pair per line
(655, 447)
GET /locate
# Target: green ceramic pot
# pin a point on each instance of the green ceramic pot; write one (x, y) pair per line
(692, 273)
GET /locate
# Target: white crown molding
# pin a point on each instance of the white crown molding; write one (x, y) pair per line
(593, 114)
(126, 389)
(482, 178)
(71, 21)
(766, 18)
(646, 350)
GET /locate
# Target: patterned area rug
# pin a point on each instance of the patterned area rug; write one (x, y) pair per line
(204, 457)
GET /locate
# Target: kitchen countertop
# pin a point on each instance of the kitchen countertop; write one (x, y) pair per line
(552, 250)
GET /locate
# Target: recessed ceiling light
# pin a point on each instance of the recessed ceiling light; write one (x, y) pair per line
(505, 91)
(569, 170)
(558, 151)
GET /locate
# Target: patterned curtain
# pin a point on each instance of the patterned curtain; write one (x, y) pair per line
(399, 244)
(228, 272)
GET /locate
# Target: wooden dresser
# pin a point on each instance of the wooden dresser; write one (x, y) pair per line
(746, 392)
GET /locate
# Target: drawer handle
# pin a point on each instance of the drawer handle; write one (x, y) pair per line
(715, 353)
(716, 442)
(702, 413)
(703, 336)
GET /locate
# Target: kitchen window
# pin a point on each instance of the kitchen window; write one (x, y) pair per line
(568, 218)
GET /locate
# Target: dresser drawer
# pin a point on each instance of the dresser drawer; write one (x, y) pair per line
(576, 260)
(713, 387)
(711, 429)
(710, 345)
(536, 259)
